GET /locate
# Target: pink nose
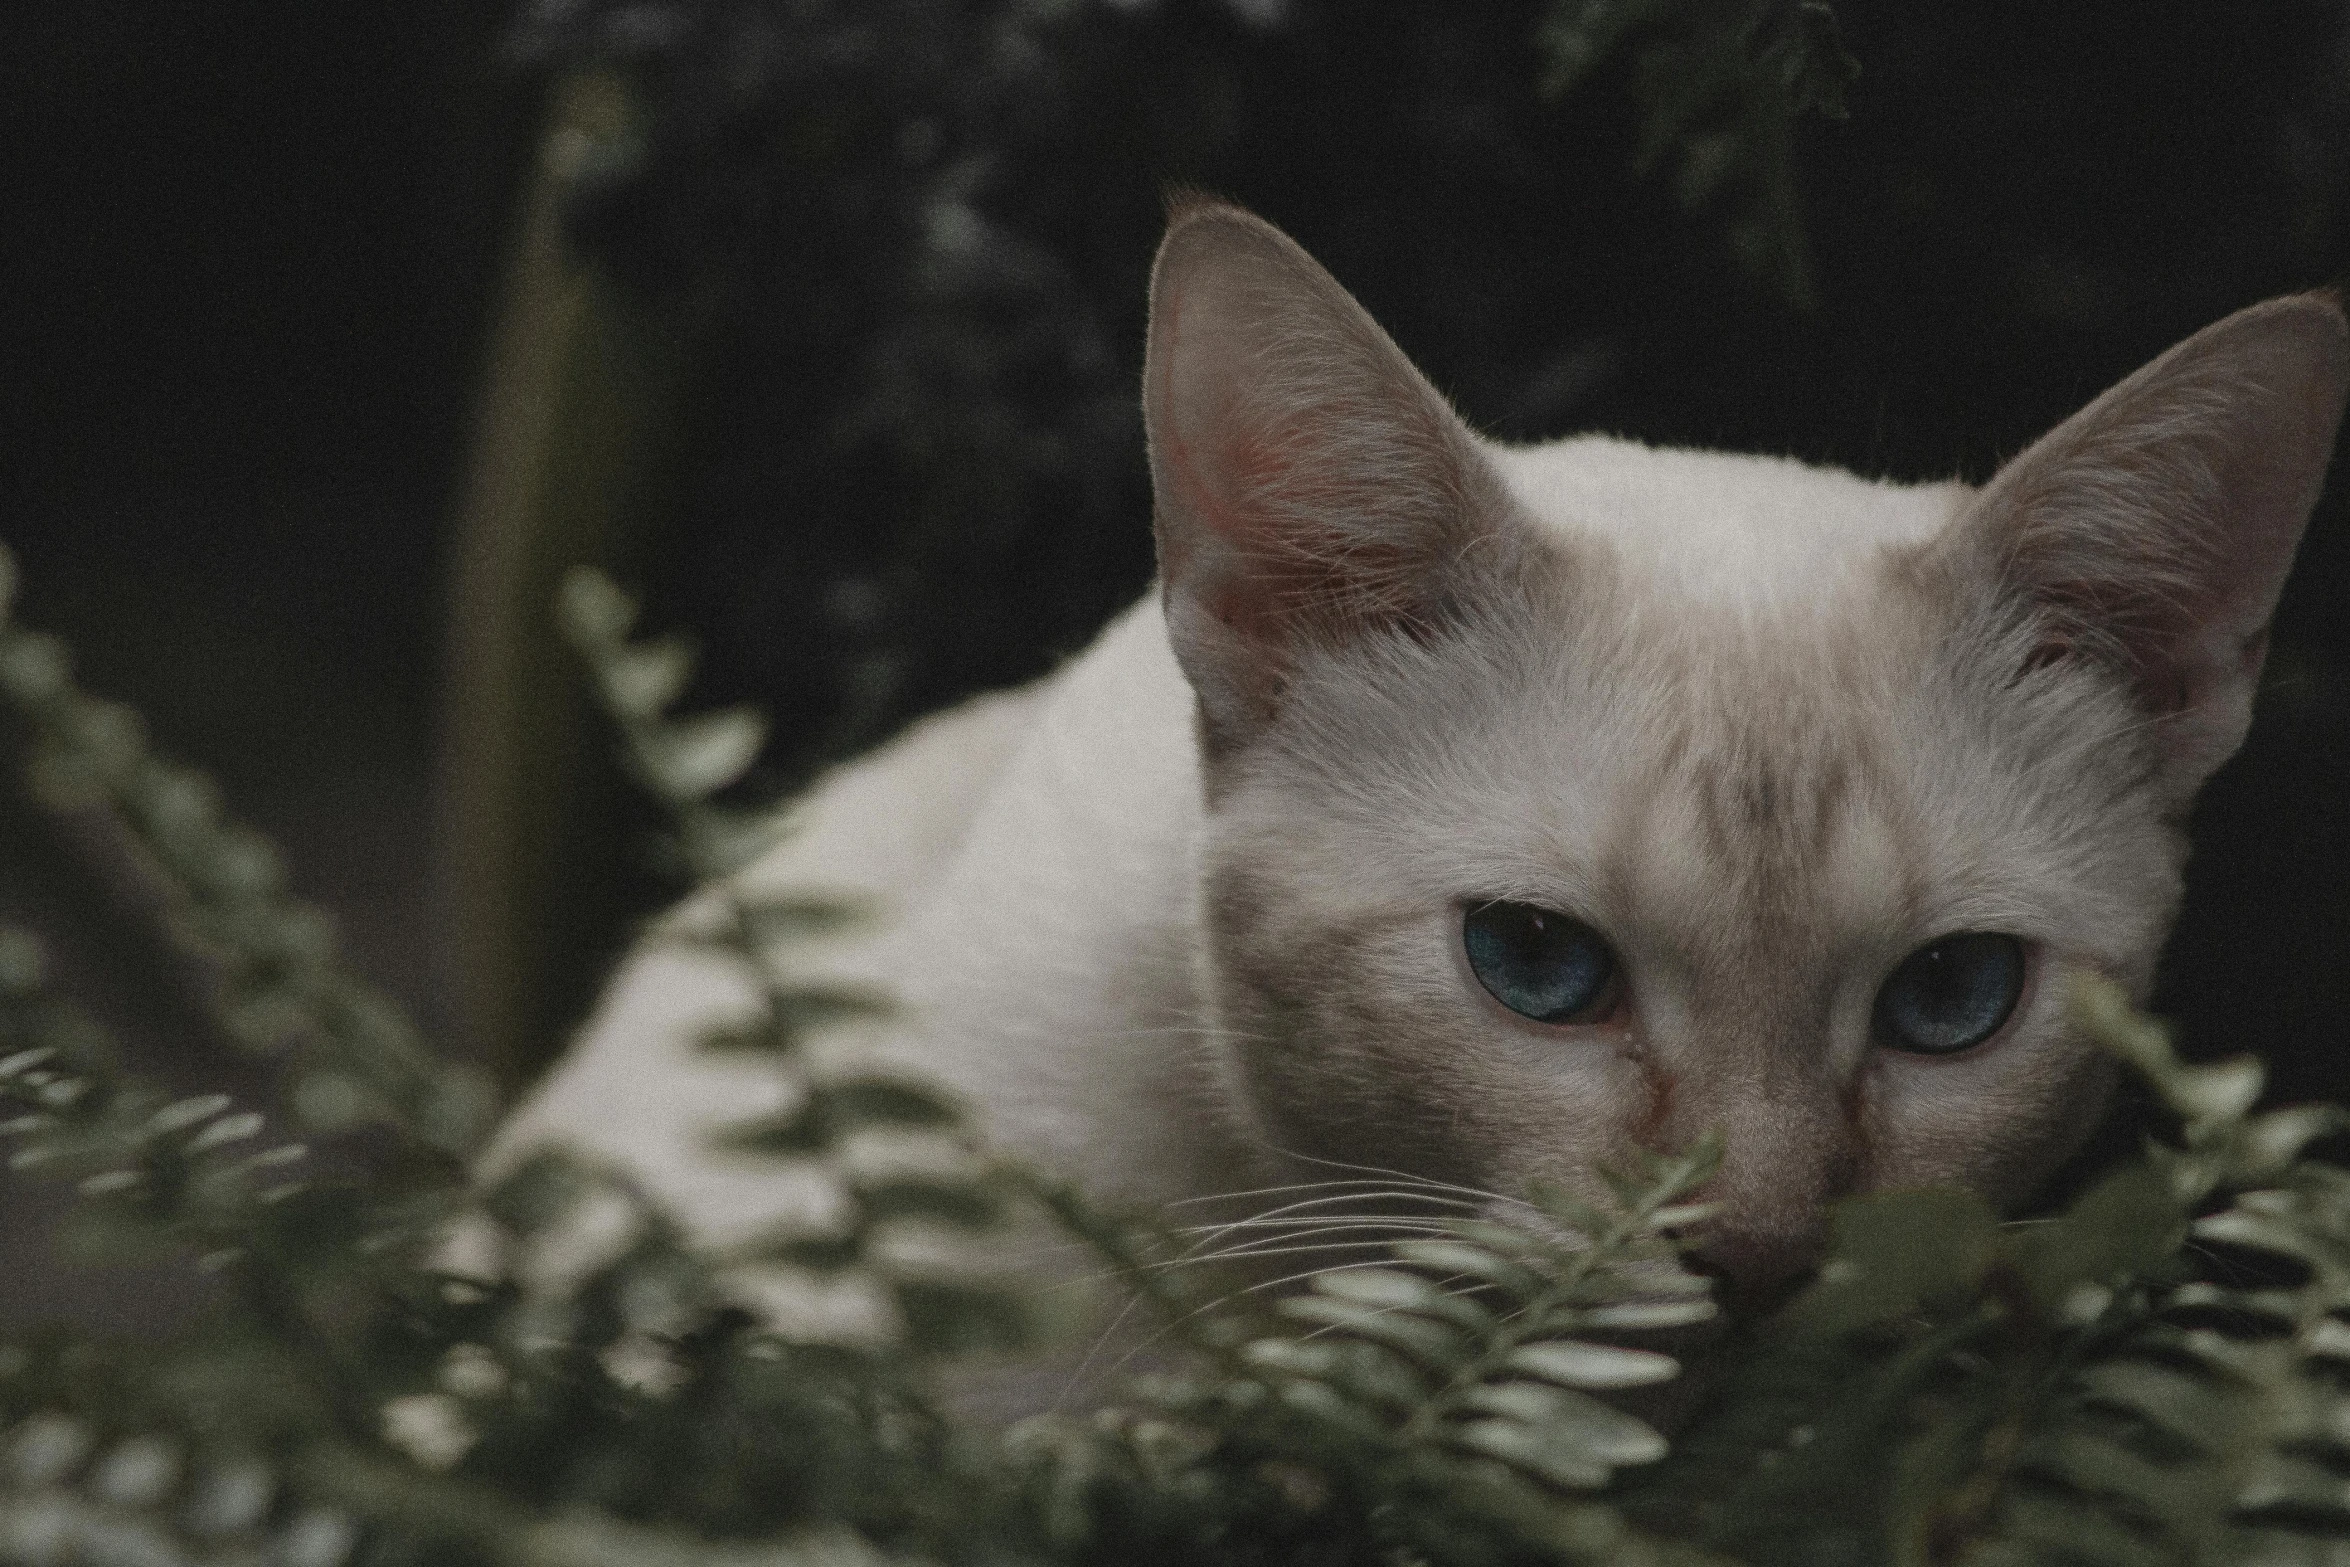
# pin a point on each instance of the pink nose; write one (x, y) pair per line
(1757, 1266)
(1790, 1149)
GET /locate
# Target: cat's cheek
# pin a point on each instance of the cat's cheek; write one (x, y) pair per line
(1538, 1115)
(1998, 1117)
(1556, 1100)
(2002, 1139)
(1373, 1054)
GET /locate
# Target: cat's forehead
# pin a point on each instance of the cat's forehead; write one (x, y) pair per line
(1689, 771)
(1749, 794)
(1728, 700)
(1722, 528)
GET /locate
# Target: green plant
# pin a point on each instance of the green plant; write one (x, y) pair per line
(401, 1368)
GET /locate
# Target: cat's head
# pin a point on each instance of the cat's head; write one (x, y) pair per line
(1575, 797)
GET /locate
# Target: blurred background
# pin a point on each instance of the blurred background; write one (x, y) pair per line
(332, 334)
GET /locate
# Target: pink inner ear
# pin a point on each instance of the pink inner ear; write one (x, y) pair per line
(1292, 524)
(1209, 451)
(1253, 465)
(2105, 621)
(2150, 533)
(2152, 552)
(1309, 482)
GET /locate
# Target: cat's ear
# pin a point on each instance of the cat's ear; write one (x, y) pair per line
(2152, 530)
(1310, 485)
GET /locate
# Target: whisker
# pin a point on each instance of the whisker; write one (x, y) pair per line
(1290, 1228)
(1303, 1204)
(1270, 1229)
(1307, 1223)
(1296, 1186)
(1404, 1176)
(1291, 1221)
(1274, 1217)
(1375, 1230)
(1373, 1234)
(1101, 1341)
(1222, 1300)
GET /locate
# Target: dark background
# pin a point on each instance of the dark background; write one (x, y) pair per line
(252, 256)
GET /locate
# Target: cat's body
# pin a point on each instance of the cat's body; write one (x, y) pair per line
(1479, 813)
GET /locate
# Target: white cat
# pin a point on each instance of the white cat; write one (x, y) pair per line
(1481, 812)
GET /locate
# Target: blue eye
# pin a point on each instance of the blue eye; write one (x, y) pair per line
(1951, 994)
(1540, 963)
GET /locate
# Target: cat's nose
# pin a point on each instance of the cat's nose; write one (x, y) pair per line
(1780, 1173)
(1789, 1150)
(1757, 1267)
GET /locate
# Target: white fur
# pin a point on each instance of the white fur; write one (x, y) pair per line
(1026, 862)
(1753, 535)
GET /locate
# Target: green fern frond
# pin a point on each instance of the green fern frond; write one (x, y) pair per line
(2211, 1422)
(1446, 1407)
(922, 1213)
(282, 984)
(2145, 1377)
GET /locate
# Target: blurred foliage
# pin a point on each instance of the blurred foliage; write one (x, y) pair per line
(908, 240)
(1720, 88)
(403, 1368)
(280, 986)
